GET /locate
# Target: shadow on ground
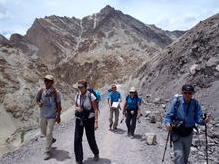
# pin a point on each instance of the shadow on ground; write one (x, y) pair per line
(101, 161)
(60, 155)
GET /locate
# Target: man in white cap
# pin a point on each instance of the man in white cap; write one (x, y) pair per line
(49, 102)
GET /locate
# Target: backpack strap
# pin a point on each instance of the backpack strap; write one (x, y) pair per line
(40, 94)
(176, 106)
(77, 100)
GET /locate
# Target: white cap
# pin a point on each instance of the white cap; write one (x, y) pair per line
(132, 89)
(49, 77)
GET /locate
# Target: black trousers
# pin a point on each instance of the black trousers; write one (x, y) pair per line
(88, 125)
(131, 122)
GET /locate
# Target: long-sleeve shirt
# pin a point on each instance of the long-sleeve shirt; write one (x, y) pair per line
(190, 113)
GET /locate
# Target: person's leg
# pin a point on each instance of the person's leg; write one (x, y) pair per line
(178, 149)
(128, 119)
(78, 149)
(111, 118)
(49, 132)
(133, 124)
(90, 133)
(116, 118)
(187, 142)
(43, 126)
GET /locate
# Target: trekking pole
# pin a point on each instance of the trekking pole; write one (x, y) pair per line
(206, 139)
(168, 136)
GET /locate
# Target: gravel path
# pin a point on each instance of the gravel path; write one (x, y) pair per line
(115, 148)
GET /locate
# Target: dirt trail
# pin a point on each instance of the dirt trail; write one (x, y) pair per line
(115, 148)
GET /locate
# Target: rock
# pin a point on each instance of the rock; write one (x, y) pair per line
(217, 68)
(212, 61)
(157, 100)
(152, 118)
(164, 106)
(147, 113)
(193, 68)
(151, 138)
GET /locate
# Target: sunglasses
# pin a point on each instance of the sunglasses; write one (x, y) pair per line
(80, 87)
(187, 93)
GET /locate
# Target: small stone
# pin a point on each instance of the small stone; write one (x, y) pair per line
(192, 69)
(217, 68)
(151, 138)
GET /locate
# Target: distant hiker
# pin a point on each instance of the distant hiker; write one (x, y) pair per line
(86, 113)
(182, 114)
(132, 110)
(49, 101)
(114, 105)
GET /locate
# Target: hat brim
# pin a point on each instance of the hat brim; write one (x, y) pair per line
(80, 85)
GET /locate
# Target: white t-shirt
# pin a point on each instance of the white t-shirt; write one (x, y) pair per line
(84, 101)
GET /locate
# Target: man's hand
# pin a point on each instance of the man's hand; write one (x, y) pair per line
(169, 127)
(96, 125)
(206, 118)
(58, 119)
(77, 108)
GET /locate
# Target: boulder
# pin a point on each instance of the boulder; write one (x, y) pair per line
(151, 138)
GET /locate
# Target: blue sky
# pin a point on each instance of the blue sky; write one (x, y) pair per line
(16, 16)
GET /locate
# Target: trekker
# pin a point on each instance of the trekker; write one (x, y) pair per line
(49, 102)
(132, 111)
(86, 113)
(114, 100)
(183, 112)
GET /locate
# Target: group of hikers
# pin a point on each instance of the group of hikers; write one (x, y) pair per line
(181, 116)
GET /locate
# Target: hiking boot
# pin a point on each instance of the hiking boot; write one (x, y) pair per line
(96, 157)
(132, 136)
(47, 156)
(110, 126)
(79, 162)
(53, 140)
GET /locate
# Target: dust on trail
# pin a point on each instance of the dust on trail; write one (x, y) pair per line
(115, 147)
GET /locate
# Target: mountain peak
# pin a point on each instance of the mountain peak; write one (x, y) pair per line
(106, 10)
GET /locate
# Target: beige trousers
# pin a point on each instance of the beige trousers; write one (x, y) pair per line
(46, 126)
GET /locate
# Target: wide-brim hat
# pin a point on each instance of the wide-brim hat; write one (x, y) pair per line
(49, 77)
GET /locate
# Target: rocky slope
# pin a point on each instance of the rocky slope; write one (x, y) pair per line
(194, 59)
(20, 79)
(105, 46)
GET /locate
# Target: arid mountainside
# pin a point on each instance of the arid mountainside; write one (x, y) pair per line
(20, 78)
(194, 59)
(106, 46)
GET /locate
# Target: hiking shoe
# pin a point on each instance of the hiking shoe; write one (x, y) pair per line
(79, 162)
(47, 156)
(132, 136)
(53, 140)
(96, 157)
(110, 126)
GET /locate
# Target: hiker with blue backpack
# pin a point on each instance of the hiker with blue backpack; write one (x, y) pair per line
(182, 115)
(132, 110)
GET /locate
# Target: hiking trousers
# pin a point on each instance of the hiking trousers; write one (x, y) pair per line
(46, 127)
(181, 148)
(131, 122)
(88, 125)
(116, 121)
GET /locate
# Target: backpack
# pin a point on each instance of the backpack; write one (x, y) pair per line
(179, 126)
(93, 92)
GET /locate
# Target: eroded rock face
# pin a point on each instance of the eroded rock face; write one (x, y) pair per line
(106, 46)
(193, 59)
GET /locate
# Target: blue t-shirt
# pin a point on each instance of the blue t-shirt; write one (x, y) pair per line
(132, 103)
(114, 96)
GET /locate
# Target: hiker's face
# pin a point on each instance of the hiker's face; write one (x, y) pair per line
(114, 89)
(187, 95)
(132, 94)
(82, 89)
(48, 83)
